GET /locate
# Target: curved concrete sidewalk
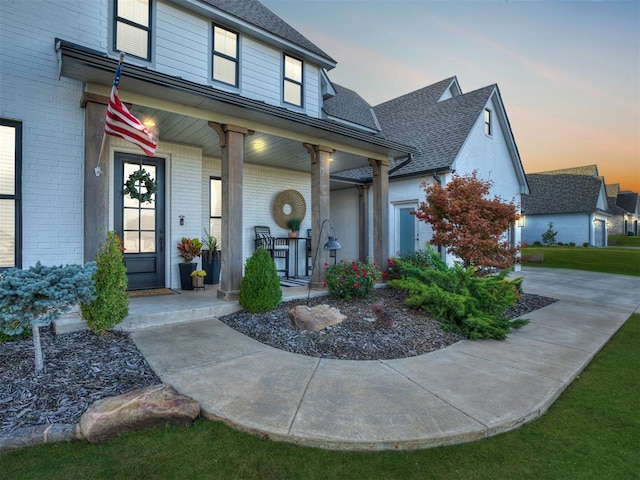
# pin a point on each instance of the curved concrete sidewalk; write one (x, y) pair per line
(465, 392)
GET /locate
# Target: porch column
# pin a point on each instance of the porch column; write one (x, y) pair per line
(96, 188)
(363, 221)
(380, 212)
(232, 144)
(320, 208)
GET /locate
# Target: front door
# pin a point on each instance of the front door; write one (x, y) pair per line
(406, 228)
(141, 225)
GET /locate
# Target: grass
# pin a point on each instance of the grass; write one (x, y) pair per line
(591, 432)
(623, 241)
(607, 260)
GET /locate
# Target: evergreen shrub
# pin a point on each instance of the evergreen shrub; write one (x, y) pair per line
(111, 304)
(462, 301)
(260, 287)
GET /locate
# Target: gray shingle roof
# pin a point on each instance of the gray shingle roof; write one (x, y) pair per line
(628, 201)
(561, 193)
(437, 129)
(589, 170)
(348, 105)
(612, 190)
(614, 209)
(257, 14)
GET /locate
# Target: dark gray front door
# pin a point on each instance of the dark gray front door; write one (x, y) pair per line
(141, 225)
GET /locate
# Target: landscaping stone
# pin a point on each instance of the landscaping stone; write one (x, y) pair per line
(147, 407)
(316, 318)
(37, 434)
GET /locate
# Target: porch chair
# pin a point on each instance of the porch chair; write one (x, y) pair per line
(332, 253)
(277, 247)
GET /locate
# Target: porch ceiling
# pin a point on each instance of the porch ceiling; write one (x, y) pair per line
(260, 148)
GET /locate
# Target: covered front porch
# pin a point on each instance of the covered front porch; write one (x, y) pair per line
(255, 150)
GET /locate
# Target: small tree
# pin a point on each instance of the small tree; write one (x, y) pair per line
(111, 304)
(39, 295)
(549, 237)
(260, 287)
(470, 225)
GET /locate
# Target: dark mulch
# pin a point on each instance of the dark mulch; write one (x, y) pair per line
(82, 367)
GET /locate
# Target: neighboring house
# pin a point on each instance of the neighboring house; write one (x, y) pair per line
(617, 220)
(576, 204)
(630, 203)
(243, 109)
(455, 133)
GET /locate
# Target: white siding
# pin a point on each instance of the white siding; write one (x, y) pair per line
(261, 71)
(182, 43)
(53, 122)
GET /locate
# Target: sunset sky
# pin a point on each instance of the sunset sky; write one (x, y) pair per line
(568, 71)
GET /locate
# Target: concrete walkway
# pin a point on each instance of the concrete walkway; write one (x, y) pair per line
(465, 392)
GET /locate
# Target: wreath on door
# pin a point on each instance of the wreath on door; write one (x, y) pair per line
(140, 177)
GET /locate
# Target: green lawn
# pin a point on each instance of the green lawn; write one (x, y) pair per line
(623, 241)
(591, 432)
(607, 260)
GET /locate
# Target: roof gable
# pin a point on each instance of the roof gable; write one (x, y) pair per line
(630, 201)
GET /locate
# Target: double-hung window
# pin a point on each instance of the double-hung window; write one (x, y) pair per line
(132, 27)
(293, 85)
(488, 126)
(225, 56)
(10, 196)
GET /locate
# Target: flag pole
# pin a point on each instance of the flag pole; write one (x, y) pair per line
(98, 169)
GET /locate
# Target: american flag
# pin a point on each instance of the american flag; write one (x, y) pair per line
(120, 122)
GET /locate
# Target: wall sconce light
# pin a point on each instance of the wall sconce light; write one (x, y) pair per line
(332, 244)
(521, 221)
(181, 217)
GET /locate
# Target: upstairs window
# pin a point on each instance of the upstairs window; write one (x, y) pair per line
(488, 126)
(133, 27)
(292, 90)
(225, 56)
(10, 198)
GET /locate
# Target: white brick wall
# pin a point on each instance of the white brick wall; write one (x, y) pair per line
(53, 122)
(571, 227)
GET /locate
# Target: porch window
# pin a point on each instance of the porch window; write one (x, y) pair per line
(10, 193)
(215, 208)
(488, 127)
(225, 56)
(292, 81)
(132, 27)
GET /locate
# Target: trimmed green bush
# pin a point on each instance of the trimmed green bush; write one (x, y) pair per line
(111, 304)
(351, 280)
(260, 287)
(459, 299)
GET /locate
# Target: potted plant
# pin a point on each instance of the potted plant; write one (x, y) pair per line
(211, 258)
(197, 278)
(294, 225)
(188, 249)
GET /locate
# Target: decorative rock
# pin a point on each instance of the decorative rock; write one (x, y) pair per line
(316, 318)
(146, 407)
(37, 434)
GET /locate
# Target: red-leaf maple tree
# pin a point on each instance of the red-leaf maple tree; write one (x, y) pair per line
(469, 223)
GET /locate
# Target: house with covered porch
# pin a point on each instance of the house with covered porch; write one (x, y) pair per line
(242, 108)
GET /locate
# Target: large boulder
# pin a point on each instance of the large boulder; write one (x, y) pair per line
(316, 318)
(146, 407)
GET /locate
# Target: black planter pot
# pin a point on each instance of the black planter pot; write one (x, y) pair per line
(185, 275)
(212, 267)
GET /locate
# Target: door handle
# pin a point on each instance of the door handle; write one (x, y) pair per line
(161, 240)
